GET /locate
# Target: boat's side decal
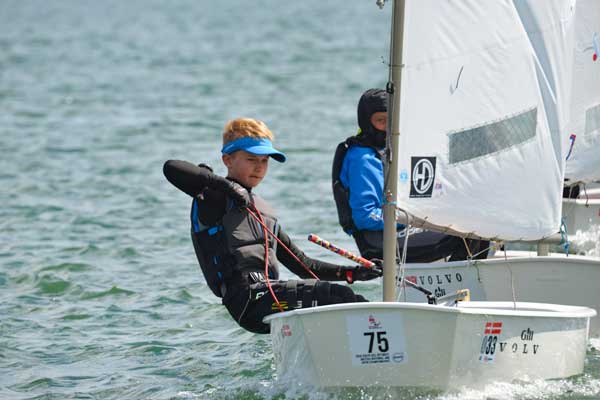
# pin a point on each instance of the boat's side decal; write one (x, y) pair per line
(489, 344)
(376, 338)
(522, 344)
(435, 279)
(440, 284)
(286, 331)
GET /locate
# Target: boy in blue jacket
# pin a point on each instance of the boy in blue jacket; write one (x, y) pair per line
(357, 178)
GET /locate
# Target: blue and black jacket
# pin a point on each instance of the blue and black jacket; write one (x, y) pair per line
(229, 244)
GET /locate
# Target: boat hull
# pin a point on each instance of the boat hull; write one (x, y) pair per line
(553, 279)
(582, 216)
(421, 345)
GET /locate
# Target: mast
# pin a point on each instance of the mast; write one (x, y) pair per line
(390, 189)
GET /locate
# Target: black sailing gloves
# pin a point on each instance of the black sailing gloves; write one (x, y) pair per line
(239, 195)
(360, 273)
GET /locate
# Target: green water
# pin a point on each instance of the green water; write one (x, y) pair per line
(100, 294)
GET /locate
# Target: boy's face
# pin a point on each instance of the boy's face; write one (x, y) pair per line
(246, 168)
(379, 120)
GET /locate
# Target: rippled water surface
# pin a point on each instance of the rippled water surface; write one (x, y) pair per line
(100, 293)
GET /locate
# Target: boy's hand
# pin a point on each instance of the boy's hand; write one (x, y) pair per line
(239, 194)
(366, 274)
(360, 273)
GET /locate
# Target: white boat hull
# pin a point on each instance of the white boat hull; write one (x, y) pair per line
(421, 345)
(553, 279)
(582, 216)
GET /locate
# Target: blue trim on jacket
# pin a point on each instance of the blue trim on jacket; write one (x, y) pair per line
(362, 175)
(194, 216)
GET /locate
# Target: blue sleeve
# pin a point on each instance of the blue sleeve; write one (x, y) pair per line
(362, 174)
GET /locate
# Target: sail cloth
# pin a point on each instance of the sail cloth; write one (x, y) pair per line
(484, 99)
(584, 161)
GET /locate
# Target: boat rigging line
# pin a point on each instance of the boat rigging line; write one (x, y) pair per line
(267, 232)
(431, 299)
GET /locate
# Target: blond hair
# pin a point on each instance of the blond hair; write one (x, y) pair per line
(245, 127)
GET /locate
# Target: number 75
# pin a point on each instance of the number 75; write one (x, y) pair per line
(382, 342)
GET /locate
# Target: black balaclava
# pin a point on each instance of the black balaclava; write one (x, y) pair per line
(372, 101)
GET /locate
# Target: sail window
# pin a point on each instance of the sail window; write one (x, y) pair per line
(490, 138)
(592, 120)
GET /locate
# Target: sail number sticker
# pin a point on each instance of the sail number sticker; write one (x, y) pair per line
(376, 338)
(489, 344)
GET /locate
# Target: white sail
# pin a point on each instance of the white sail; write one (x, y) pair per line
(484, 106)
(551, 31)
(584, 161)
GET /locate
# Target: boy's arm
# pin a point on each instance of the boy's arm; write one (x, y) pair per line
(193, 180)
(187, 177)
(323, 270)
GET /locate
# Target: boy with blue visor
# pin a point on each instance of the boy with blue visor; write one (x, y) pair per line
(256, 146)
(239, 242)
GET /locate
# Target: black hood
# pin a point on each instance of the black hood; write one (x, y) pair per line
(372, 101)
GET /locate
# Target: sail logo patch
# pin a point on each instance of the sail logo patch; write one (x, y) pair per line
(403, 176)
(423, 176)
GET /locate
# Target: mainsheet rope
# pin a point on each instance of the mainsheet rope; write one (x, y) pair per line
(265, 234)
(258, 217)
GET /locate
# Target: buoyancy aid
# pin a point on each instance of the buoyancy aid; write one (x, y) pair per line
(371, 101)
(234, 248)
(341, 194)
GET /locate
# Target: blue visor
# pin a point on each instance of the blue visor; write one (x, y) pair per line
(257, 146)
